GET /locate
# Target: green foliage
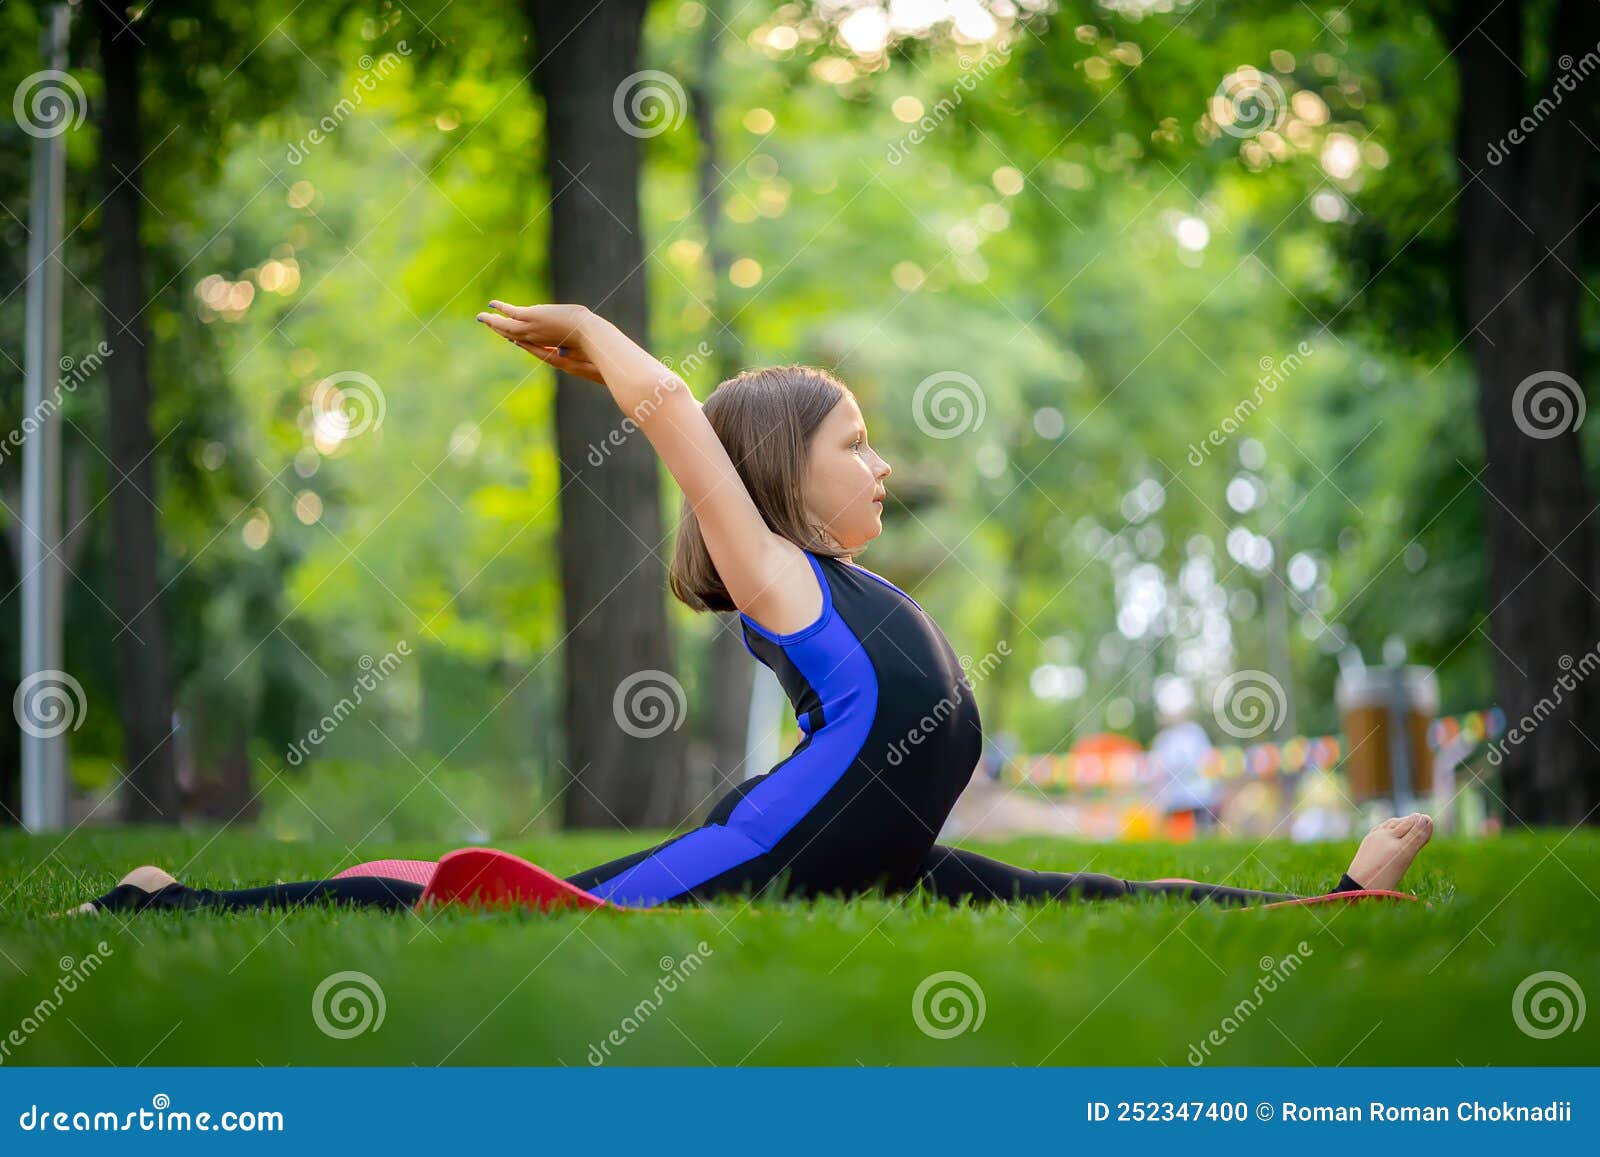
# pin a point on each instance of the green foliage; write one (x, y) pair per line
(1059, 218)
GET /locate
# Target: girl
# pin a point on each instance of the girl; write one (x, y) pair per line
(781, 491)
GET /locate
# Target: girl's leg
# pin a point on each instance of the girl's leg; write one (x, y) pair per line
(364, 891)
(957, 875)
(591, 877)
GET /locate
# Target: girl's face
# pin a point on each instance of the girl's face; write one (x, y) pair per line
(844, 486)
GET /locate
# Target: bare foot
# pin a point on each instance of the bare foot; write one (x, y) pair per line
(1388, 849)
(146, 877)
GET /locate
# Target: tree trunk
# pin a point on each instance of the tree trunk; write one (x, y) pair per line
(145, 699)
(1519, 231)
(624, 762)
(732, 669)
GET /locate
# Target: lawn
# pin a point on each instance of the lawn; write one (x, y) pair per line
(1147, 982)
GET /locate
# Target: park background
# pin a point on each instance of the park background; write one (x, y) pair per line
(1205, 340)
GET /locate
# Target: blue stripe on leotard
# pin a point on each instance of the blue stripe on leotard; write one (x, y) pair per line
(832, 660)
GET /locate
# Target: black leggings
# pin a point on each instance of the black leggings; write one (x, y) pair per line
(952, 874)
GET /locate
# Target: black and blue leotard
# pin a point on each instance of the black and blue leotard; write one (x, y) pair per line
(890, 737)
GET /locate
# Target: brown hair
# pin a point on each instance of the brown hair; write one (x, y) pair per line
(765, 419)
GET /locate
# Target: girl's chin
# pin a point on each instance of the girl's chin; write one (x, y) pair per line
(864, 536)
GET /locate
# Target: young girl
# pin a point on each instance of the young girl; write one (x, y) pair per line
(782, 490)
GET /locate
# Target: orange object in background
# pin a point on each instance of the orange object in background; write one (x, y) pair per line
(1181, 826)
(1105, 743)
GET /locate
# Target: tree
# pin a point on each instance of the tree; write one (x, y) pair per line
(1524, 204)
(145, 693)
(612, 576)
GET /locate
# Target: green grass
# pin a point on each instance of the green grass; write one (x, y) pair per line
(1135, 982)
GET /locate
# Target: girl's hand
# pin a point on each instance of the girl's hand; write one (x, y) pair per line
(552, 333)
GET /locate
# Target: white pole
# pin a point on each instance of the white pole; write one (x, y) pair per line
(44, 749)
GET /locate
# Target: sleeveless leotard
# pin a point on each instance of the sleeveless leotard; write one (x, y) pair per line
(890, 735)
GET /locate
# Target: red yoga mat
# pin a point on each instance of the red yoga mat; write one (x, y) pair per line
(484, 877)
(411, 871)
(481, 877)
(1330, 898)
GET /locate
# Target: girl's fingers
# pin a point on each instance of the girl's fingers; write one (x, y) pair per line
(520, 331)
(520, 312)
(579, 367)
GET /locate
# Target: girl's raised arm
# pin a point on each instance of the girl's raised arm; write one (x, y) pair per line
(766, 575)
